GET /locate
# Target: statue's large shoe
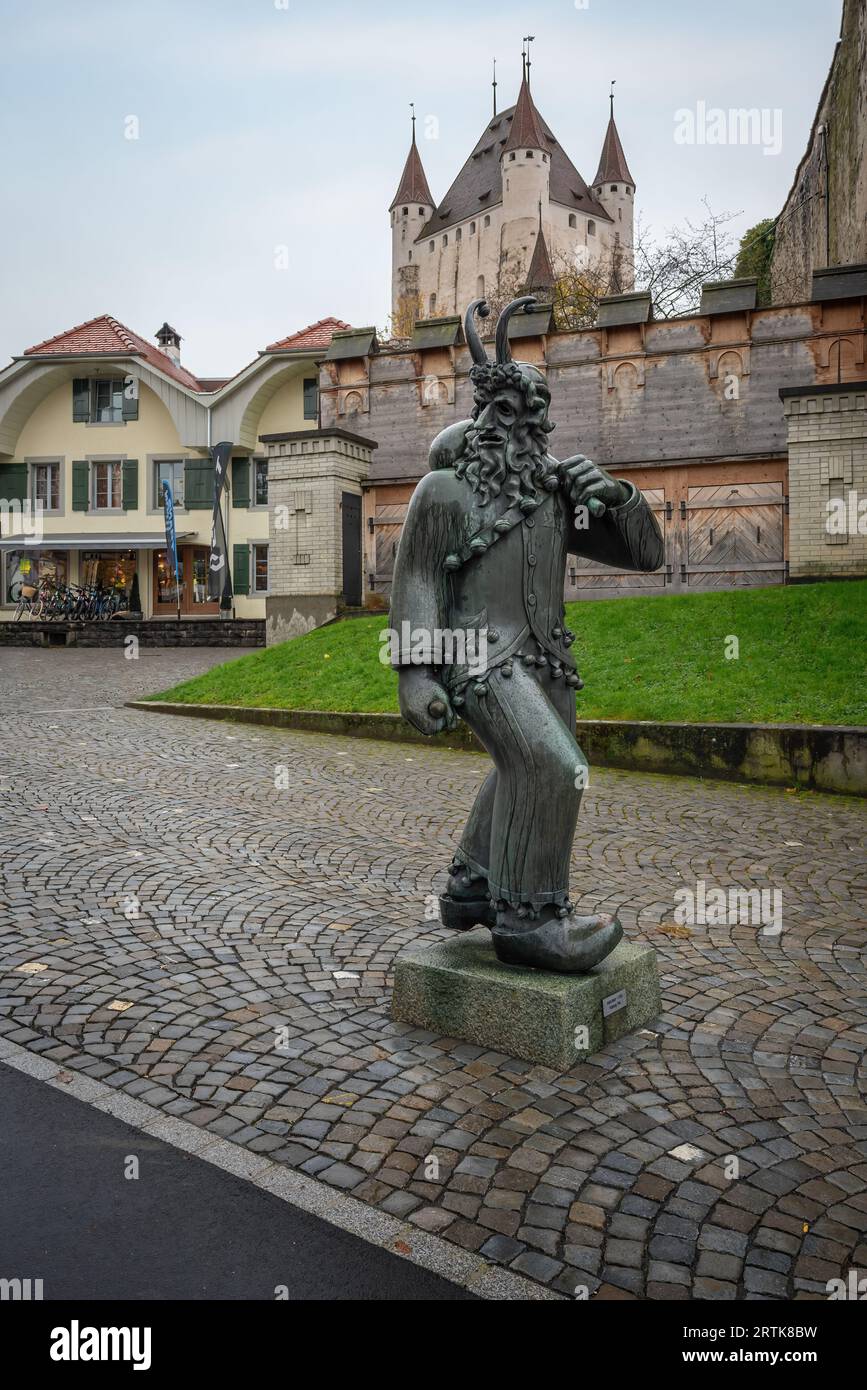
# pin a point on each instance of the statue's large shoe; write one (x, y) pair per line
(466, 902)
(571, 945)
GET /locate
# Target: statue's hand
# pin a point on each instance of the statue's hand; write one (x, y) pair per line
(583, 479)
(418, 687)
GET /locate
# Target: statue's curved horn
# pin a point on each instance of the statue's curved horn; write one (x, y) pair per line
(526, 302)
(474, 342)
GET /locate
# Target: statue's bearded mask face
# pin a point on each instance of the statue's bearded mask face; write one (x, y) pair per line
(506, 449)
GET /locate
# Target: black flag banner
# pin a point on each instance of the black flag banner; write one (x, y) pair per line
(219, 573)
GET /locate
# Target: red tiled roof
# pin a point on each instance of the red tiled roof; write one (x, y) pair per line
(315, 335)
(413, 186)
(107, 335)
(612, 161)
(526, 130)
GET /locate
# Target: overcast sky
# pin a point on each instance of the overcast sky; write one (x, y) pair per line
(264, 124)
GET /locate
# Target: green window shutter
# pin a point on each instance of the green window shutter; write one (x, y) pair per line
(130, 485)
(240, 482)
(241, 568)
(13, 482)
(311, 398)
(80, 399)
(80, 485)
(198, 484)
(129, 404)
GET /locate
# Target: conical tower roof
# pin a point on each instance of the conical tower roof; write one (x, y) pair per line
(526, 132)
(612, 161)
(413, 186)
(540, 276)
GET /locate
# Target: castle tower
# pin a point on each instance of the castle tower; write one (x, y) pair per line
(410, 209)
(526, 170)
(614, 187)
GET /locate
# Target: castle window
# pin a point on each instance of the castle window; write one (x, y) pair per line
(544, 159)
(421, 212)
(458, 234)
(409, 255)
(573, 220)
(405, 211)
(512, 154)
(430, 246)
(591, 227)
(614, 188)
(472, 229)
(432, 304)
(480, 287)
(445, 239)
(628, 189)
(529, 154)
(487, 222)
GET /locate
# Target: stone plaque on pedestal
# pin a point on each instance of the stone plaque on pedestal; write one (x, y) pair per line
(458, 988)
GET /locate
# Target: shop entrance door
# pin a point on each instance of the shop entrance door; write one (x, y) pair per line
(193, 582)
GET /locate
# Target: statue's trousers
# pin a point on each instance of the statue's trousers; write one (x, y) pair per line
(520, 831)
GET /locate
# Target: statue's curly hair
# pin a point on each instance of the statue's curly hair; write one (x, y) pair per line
(493, 377)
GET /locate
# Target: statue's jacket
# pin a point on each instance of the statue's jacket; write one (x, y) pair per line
(500, 568)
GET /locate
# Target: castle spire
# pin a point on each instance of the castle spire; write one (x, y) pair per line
(526, 131)
(541, 279)
(612, 161)
(413, 186)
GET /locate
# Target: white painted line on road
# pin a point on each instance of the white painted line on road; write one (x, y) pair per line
(67, 709)
(339, 1209)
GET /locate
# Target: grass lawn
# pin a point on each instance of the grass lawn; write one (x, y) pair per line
(801, 660)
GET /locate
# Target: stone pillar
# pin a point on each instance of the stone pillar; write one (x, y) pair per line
(827, 428)
(308, 472)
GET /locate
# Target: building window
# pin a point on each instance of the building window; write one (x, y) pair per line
(529, 154)
(487, 222)
(45, 485)
(107, 486)
(409, 256)
(432, 303)
(628, 189)
(260, 482)
(544, 159)
(472, 229)
(573, 220)
(614, 188)
(480, 287)
(445, 239)
(458, 234)
(421, 212)
(405, 211)
(260, 569)
(430, 246)
(106, 402)
(169, 471)
(591, 227)
(30, 567)
(311, 398)
(512, 154)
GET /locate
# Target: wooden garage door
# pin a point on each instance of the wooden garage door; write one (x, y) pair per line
(588, 579)
(734, 536)
(387, 524)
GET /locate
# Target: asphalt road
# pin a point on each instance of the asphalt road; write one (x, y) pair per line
(183, 1229)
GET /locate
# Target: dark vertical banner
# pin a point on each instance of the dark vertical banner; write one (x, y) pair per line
(172, 542)
(219, 571)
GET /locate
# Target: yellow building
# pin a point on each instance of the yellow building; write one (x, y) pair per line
(91, 423)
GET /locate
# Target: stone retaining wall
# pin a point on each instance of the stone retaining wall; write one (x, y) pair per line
(828, 758)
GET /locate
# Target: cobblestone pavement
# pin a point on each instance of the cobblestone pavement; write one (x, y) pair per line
(177, 926)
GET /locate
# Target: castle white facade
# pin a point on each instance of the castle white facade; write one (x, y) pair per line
(518, 188)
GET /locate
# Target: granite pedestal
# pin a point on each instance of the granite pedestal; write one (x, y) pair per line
(458, 988)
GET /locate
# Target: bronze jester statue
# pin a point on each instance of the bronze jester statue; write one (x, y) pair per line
(483, 551)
